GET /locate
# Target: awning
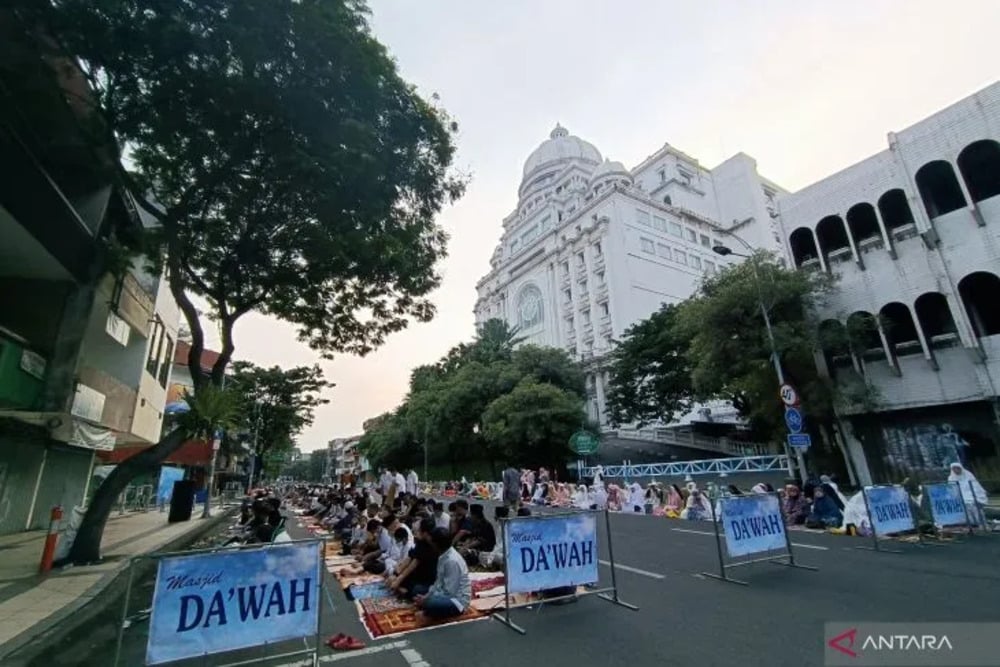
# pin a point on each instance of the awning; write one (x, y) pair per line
(191, 453)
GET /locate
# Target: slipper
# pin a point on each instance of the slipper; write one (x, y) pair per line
(334, 640)
(351, 644)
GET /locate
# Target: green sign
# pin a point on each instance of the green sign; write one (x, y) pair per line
(584, 442)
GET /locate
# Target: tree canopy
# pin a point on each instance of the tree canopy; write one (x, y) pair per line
(460, 406)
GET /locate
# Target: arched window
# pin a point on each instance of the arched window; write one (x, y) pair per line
(979, 296)
(899, 329)
(832, 235)
(530, 310)
(862, 333)
(939, 189)
(803, 247)
(979, 163)
(895, 210)
(935, 320)
(834, 344)
(863, 224)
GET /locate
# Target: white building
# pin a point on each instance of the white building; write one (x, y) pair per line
(913, 233)
(593, 247)
(343, 459)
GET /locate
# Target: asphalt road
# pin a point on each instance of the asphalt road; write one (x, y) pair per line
(684, 617)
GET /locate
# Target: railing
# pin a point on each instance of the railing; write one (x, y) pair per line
(691, 439)
(775, 462)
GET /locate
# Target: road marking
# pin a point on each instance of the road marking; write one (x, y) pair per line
(334, 657)
(794, 544)
(634, 570)
(414, 658)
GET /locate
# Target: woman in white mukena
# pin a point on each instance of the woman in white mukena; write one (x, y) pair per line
(973, 493)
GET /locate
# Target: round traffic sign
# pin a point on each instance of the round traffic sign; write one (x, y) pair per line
(793, 419)
(583, 443)
(788, 395)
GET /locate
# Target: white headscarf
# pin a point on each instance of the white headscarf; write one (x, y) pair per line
(972, 491)
(637, 497)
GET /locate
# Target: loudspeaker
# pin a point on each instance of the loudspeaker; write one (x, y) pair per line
(182, 502)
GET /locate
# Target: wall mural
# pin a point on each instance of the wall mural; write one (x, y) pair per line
(923, 446)
(529, 307)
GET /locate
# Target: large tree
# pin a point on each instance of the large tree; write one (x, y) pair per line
(287, 167)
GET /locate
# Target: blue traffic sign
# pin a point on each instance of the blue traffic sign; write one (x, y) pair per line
(800, 440)
(793, 419)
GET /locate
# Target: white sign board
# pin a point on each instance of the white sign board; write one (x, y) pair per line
(788, 394)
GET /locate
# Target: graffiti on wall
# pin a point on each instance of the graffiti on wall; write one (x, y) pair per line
(922, 446)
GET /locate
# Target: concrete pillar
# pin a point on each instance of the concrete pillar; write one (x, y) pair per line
(57, 393)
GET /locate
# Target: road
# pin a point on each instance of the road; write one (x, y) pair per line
(684, 617)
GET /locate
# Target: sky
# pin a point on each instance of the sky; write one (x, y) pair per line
(806, 88)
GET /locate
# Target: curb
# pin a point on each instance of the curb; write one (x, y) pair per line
(86, 606)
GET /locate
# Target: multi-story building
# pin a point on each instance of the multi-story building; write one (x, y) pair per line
(913, 234)
(84, 351)
(344, 462)
(593, 247)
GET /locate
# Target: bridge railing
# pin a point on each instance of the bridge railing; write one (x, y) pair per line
(774, 462)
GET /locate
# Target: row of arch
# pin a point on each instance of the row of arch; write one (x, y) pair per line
(866, 225)
(897, 324)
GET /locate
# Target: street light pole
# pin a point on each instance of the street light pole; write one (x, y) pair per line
(427, 429)
(775, 357)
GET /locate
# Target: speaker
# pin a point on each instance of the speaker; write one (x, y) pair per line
(182, 502)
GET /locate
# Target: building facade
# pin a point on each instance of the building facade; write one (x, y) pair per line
(913, 235)
(593, 247)
(344, 463)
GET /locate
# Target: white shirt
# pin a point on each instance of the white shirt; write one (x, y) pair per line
(400, 482)
(384, 481)
(411, 483)
(442, 521)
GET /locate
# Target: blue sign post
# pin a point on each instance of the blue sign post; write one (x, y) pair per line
(752, 524)
(800, 440)
(793, 419)
(222, 601)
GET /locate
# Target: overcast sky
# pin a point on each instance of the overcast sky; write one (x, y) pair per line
(806, 88)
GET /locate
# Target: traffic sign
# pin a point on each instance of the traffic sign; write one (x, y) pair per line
(583, 443)
(799, 440)
(793, 419)
(789, 396)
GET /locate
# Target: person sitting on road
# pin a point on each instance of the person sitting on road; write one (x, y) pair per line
(481, 536)
(416, 574)
(674, 504)
(600, 497)
(374, 560)
(402, 543)
(452, 591)
(461, 524)
(636, 499)
(825, 513)
(441, 518)
(493, 560)
(697, 507)
(794, 506)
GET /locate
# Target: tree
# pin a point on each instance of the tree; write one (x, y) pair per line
(650, 371)
(533, 423)
(287, 166)
(276, 404)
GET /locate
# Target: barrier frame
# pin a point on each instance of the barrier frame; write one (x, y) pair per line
(875, 546)
(321, 587)
(776, 558)
(602, 593)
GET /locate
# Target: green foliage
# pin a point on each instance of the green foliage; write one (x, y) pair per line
(276, 404)
(212, 409)
(308, 468)
(448, 401)
(533, 423)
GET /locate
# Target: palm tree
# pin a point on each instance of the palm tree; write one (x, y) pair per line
(495, 341)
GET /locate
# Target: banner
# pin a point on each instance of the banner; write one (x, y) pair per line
(753, 524)
(947, 506)
(165, 488)
(550, 552)
(889, 507)
(222, 601)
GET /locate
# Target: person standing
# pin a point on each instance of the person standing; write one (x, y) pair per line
(511, 487)
(411, 482)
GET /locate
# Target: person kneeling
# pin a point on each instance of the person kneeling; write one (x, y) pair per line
(451, 593)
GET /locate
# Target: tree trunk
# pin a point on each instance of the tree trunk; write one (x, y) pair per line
(87, 545)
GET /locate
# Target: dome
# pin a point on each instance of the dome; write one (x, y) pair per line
(610, 169)
(561, 145)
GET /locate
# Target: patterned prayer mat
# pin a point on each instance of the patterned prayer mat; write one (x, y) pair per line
(480, 585)
(375, 589)
(380, 605)
(400, 621)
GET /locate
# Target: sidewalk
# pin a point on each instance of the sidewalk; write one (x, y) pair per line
(31, 604)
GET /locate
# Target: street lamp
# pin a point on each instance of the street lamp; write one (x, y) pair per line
(726, 251)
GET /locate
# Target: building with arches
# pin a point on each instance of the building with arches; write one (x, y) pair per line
(592, 246)
(913, 234)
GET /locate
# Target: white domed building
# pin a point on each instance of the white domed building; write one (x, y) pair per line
(592, 246)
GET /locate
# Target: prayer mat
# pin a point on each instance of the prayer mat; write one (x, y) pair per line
(380, 605)
(376, 589)
(479, 585)
(400, 621)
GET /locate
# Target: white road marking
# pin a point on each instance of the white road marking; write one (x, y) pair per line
(347, 655)
(634, 570)
(414, 658)
(794, 544)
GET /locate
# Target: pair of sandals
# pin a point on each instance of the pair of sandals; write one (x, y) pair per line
(342, 642)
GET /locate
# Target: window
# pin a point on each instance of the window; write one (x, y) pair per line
(647, 245)
(568, 295)
(663, 175)
(605, 312)
(663, 250)
(155, 347)
(565, 267)
(642, 217)
(597, 249)
(544, 224)
(709, 267)
(695, 262)
(583, 284)
(716, 243)
(513, 246)
(680, 257)
(692, 236)
(167, 358)
(586, 316)
(705, 242)
(676, 230)
(580, 261)
(600, 277)
(667, 200)
(569, 324)
(659, 224)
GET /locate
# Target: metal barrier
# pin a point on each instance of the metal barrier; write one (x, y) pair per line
(681, 468)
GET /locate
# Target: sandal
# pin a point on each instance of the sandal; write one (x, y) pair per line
(336, 639)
